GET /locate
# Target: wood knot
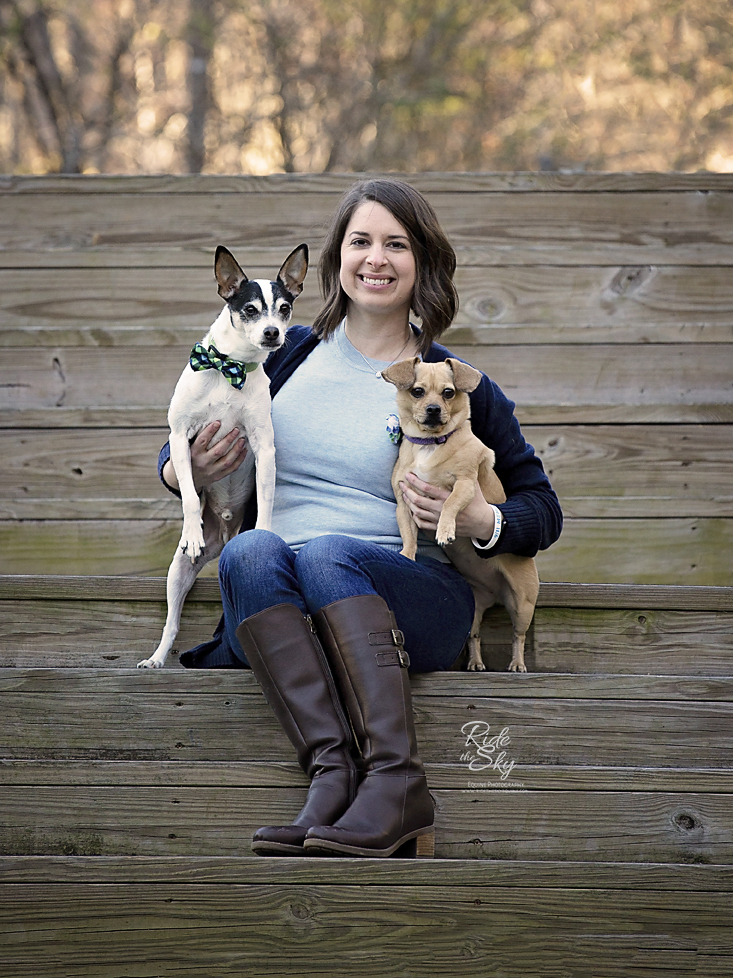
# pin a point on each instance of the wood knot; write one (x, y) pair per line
(685, 822)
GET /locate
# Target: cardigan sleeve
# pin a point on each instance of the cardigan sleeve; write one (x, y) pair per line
(532, 510)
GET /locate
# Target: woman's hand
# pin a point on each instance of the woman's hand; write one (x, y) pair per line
(210, 463)
(426, 502)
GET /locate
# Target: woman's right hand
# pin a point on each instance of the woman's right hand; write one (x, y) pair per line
(210, 463)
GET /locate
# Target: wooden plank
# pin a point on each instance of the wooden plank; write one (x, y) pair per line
(644, 551)
(60, 633)
(597, 471)
(193, 725)
(632, 641)
(635, 596)
(644, 470)
(657, 228)
(338, 183)
(161, 930)
(46, 684)
(616, 826)
(51, 387)
(499, 304)
(529, 874)
(88, 474)
(282, 774)
(641, 551)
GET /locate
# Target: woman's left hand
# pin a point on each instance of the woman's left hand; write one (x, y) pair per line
(426, 502)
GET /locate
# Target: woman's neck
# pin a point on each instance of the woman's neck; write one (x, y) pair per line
(380, 340)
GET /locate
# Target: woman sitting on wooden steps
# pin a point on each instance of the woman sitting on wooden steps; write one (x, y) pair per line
(324, 608)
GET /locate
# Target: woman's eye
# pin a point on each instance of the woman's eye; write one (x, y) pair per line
(417, 392)
(448, 393)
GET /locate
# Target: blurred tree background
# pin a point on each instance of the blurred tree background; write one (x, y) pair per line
(232, 86)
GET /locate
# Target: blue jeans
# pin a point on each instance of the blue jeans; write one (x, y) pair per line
(432, 603)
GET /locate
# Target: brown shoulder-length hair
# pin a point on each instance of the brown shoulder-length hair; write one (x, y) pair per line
(434, 298)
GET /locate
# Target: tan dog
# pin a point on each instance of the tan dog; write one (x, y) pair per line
(434, 409)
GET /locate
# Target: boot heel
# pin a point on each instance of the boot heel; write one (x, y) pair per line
(425, 848)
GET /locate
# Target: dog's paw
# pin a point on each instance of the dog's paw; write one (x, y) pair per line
(151, 663)
(475, 666)
(192, 544)
(445, 534)
(516, 667)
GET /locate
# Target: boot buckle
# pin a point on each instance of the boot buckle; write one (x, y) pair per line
(404, 658)
(397, 637)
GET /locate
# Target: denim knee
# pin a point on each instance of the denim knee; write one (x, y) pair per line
(252, 550)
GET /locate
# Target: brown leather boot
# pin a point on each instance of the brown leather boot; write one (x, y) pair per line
(393, 806)
(290, 666)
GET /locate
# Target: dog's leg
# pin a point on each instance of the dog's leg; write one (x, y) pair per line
(519, 599)
(406, 525)
(262, 443)
(181, 576)
(461, 495)
(192, 536)
(475, 659)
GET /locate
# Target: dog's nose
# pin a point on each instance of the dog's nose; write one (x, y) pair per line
(271, 334)
(433, 414)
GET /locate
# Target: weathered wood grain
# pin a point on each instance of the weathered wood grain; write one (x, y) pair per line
(281, 774)
(499, 304)
(644, 551)
(479, 824)
(596, 470)
(365, 872)
(633, 596)
(234, 722)
(489, 227)
(50, 632)
(463, 686)
(165, 929)
(550, 384)
(338, 183)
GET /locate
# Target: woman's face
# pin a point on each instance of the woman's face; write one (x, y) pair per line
(377, 263)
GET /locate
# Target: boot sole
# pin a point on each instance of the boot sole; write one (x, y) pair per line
(419, 844)
(276, 849)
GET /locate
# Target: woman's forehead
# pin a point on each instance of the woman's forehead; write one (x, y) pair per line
(371, 217)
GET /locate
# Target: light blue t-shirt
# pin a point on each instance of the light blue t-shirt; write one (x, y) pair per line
(333, 455)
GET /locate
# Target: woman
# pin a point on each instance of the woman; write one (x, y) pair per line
(324, 608)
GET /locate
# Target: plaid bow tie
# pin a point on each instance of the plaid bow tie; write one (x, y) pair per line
(234, 370)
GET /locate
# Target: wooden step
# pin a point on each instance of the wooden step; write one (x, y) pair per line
(121, 761)
(52, 621)
(595, 839)
(105, 918)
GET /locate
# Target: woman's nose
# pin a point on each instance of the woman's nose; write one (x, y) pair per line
(376, 257)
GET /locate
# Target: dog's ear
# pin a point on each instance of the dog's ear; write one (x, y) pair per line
(228, 273)
(292, 273)
(402, 374)
(466, 377)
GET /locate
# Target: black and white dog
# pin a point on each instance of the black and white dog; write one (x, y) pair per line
(224, 381)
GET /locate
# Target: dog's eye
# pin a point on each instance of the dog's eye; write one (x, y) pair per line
(448, 393)
(417, 392)
(250, 310)
(284, 309)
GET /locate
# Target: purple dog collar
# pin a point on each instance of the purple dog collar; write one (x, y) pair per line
(435, 440)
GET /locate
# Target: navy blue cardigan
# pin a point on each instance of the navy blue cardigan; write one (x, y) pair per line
(532, 510)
